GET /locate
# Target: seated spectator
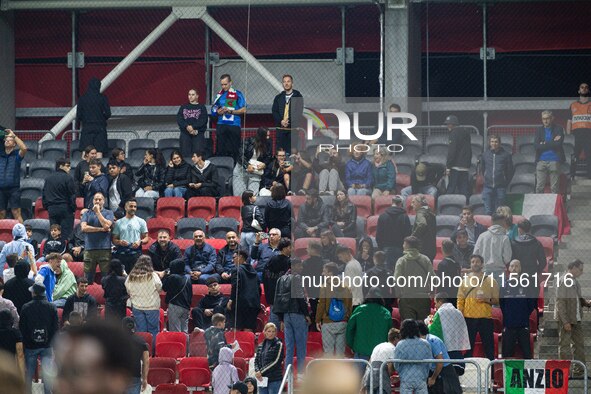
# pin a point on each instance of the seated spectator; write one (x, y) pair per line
(76, 245)
(213, 303)
(344, 216)
(215, 339)
(55, 243)
(95, 182)
(120, 189)
(254, 156)
(328, 166)
(313, 217)
(329, 246)
(251, 385)
(8, 305)
(352, 273)
(163, 251)
(179, 293)
(471, 226)
(278, 211)
(462, 250)
(384, 174)
(252, 220)
(449, 325)
(494, 247)
(358, 175)
(17, 288)
(425, 227)
(508, 224)
(302, 174)
(549, 153)
(365, 253)
(65, 285)
(393, 226)
(268, 360)
(225, 374)
(448, 270)
(80, 302)
(32, 241)
(47, 274)
(423, 180)
(83, 168)
(115, 292)
(177, 176)
(261, 253)
(413, 377)
(8, 273)
(380, 271)
(278, 171)
(150, 175)
(19, 246)
(200, 259)
(204, 178)
(118, 156)
(225, 257)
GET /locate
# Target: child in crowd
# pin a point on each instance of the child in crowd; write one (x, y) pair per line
(225, 374)
(215, 339)
(30, 239)
(55, 243)
(8, 273)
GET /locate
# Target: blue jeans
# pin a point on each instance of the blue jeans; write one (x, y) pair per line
(493, 198)
(407, 191)
(296, 335)
(135, 387)
(359, 192)
(31, 356)
(59, 303)
(413, 387)
(175, 192)
(147, 321)
(247, 240)
(272, 388)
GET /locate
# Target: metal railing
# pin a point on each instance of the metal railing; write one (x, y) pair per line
(346, 361)
(287, 380)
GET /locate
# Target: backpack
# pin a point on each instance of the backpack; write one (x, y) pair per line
(336, 310)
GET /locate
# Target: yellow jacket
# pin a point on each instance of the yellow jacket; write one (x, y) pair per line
(469, 305)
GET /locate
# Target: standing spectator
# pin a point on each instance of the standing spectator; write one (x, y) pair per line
(47, 274)
(382, 273)
(358, 175)
(291, 307)
(448, 270)
(118, 156)
(192, 121)
(96, 182)
(413, 299)
(494, 247)
(278, 171)
(344, 216)
(449, 325)
(384, 174)
(7, 305)
(225, 374)
(476, 296)
(278, 211)
(215, 339)
(19, 246)
(92, 112)
(277, 266)
(143, 285)
(228, 105)
(393, 226)
(179, 293)
(268, 360)
(334, 309)
(65, 284)
(225, 258)
(329, 166)
(549, 153)
(252, 220)
(313, 217)
(59, 197)
(352, 275)
(177, 175)
(204, 178)
(381, 354)
(150, 175)
(313, 269)
(10, 180)
(497, 169)
(17, 288)
(164, 251)
(517, 306)
(462, 250)
(287, 113)
(11, 340)
(580, 125)
(83, 168)
(368, 325)
(423, 180)
(129, 234)
(245, 296)
(413, 377)
(96, 225)
(38, 324)
(80, 302)
(365, 253)
(214, 302)
(459, 157)
(261, 253)
(120, 189)
(508, 225)
(254, 156)
(530, 252)
(424, 228)
(569, 310)
(115, 292)
(200, 259)
(141, 358)
(467, 223)
(8, 273)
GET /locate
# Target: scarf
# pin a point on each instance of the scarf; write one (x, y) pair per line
(231, 98)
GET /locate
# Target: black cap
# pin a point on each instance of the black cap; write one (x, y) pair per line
(452, 119)
(241, 387)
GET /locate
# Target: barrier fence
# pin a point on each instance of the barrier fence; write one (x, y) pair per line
(287, 381)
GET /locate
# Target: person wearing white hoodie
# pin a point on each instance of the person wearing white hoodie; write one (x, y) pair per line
(495, 247)
(225, 374)
(204, 177)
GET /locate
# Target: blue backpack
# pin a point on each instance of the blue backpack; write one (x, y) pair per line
(336, 310)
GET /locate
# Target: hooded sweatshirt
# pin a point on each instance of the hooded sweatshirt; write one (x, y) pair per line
(414, 264)
(494, 246)
(18, 245)
(225, 374)
(530, 252)
(66, 283)
(393, 227)
(177, 285)
(93, 107)
(207, 176)
(17, 288)
(245, 287)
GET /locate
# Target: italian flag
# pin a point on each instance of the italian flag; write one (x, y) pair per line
(540, 204)
(536, 376)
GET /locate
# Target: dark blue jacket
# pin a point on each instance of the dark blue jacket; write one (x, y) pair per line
(10, 168)
(515, 304)
(358, 172)
(556, 146)
(263, 254)
(225, 260)
(98, 184)
(497, 168)
(202, 260)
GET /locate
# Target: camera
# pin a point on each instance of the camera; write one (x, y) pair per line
(264, 235)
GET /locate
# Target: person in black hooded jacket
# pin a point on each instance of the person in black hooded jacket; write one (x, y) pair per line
(344, 216)
(120, 189)
(250, 212)
(530, 252)
(278, 211)
(204, 178)
(115, 292)
(393, 226)
(17, 288)
(313, 217)
(92, 111)
(150, 175)
(213, 302)
(177, 176)
(245, 295)
(179, 292)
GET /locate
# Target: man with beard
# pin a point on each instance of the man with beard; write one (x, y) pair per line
(129, 234)
(163, 251)
(225, 258)
(228, 105)
(286, 113)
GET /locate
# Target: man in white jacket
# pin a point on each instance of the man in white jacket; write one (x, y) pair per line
(495, 247)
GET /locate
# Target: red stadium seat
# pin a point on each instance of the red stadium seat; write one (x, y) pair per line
(201, 207)
(194, 372)
(229, 207)
(148, 338)
(158, 376)
(371, 225)
(199, 291)
(226, 289)
(381, 203)
(171, 344)
(300, 247)
(363, 204)
(170, 207)
(430, 201)
(197, 344)
(176, 388)
(351, 243)
(40, 211)
(485, 220)
(296, 203)
(6, 226)
(240, 364)
(77, 268)
(533, 323)
(216, 243)
(183, 244)
(97, 292)
(548, 244)
(158, 223)
(79, 207)
(517, 219)
(163, 362)
(438, 243)
(246, 341)
(402, 181)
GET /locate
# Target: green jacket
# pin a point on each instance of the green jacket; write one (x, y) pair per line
(413, 265)
(368, 326)
(66, 283)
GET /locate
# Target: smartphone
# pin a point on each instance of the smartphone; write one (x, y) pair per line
(264, 235)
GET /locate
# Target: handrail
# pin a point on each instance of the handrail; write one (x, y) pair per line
(135, 133)
(287, 379)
